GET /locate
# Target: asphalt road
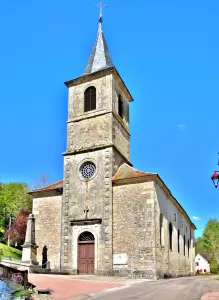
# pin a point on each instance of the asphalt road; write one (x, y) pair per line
(187, 288)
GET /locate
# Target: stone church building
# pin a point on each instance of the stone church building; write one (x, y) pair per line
(105, 217)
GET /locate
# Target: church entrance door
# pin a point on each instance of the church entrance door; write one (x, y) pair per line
(86, 253)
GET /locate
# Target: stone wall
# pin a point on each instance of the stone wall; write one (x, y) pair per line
(170, 262)
(134, 230)
(94, 194)
(102, 126)
(121, 138)
(91, 137)
(90, 133)
(103, 87)
(47, 211)
(116, 92)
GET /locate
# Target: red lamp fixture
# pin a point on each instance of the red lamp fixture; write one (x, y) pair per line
(215, 177)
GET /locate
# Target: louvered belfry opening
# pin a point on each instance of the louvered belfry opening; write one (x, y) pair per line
(86, 237)
(120, 108)
(90, 99)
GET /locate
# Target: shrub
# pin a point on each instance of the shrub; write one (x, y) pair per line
(17, 278)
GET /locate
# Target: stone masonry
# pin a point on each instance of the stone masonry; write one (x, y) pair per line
(100, 137)
(47, 211)
(133, 224)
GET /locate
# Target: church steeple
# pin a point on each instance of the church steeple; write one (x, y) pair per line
(100, 57)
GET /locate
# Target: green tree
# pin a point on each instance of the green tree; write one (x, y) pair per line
(199, 245)
(211, 243)
(13, 198)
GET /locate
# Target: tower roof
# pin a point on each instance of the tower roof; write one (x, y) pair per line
(100, 57)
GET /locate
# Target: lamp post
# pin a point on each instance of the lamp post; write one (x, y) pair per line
(215, 177)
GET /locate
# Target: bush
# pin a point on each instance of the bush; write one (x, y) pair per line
(21, 293)
(17, 278)
(1, 254)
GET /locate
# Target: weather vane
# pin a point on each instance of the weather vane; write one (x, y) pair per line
(101, 6)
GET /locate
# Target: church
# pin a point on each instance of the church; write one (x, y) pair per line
(105, 217)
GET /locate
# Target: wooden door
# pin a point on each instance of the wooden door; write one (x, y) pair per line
(85, 258)
(86, 253)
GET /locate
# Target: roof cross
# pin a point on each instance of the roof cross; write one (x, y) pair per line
(101, 6)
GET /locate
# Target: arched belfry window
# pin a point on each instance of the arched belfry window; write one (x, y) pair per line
(171, 236)
(120, 106)
(90, 99)
(86, 237)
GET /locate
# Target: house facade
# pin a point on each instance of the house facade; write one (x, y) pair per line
(202, 264)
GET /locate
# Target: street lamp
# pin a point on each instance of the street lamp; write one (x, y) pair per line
(215, 177)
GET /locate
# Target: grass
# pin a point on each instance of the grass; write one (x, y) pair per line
(10, 252)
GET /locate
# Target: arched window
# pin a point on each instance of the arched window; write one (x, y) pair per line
(184, 246)
(171, 236)
(178, 241)
(90, 99)
(188, 247)
(161, 229)
(86, 237)
(120, 106)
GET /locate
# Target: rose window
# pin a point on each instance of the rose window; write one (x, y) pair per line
(87, 170)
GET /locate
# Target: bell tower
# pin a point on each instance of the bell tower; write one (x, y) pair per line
(97, 144)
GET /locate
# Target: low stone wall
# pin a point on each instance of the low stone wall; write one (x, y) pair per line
(131, 273)
(160, 274)
(19, 265)
(6, 273)
(51, 271)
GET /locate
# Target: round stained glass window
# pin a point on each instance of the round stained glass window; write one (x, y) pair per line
(87, 170)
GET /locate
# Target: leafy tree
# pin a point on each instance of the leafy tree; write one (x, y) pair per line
(2, 230)
(13, 198)
(199, 245)
(18, 229)
(211, 243)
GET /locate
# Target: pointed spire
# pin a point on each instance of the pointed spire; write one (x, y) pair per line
(100, 57)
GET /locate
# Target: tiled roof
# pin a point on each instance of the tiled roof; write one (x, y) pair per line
(127, 172)
(53, 186)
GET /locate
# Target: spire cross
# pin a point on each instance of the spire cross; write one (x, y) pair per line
(101, 6)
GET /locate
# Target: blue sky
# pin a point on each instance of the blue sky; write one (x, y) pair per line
(167, 52)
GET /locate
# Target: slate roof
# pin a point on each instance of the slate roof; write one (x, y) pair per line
(100, 57)
(205, 256)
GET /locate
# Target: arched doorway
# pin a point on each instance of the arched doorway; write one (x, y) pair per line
(86, 253)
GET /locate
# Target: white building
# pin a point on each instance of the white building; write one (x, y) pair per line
(202, 264)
